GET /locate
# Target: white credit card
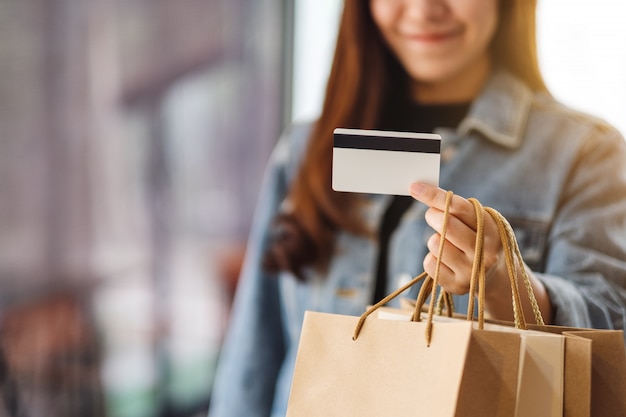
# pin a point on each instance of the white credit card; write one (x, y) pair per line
(384, 162)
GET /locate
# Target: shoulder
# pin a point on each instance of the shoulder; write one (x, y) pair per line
(542, 131)
(576, 141)
(511, 114)
(564, 120)
(563, 130)
(292, 145)
(296, 136)
(515, 114)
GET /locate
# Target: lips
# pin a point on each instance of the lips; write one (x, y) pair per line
(432, 37)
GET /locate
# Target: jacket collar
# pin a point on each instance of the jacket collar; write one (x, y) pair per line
(500, 112)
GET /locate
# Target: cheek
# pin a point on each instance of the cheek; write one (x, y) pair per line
(383, 12)
(479, 15)
(482, 16)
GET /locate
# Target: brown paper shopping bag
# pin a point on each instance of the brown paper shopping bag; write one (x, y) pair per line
(351, 366)
(595, 371)
(594, 365)
(391, 370)
(540, 384)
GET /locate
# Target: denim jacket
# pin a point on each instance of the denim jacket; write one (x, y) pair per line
(557, 175)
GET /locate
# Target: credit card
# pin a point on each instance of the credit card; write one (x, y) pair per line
(384, 162)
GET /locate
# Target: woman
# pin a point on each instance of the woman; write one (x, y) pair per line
(468, 70)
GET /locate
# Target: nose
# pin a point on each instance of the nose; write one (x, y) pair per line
(427, 10)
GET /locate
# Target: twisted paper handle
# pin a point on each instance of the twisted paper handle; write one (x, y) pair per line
(511, 250)
(477, 278)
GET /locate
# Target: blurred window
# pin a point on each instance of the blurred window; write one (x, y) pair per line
(134, 138)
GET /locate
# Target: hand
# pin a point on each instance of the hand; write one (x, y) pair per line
(458, 254)
(459, 247)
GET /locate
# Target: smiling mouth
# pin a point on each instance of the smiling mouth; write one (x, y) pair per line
(435, 37)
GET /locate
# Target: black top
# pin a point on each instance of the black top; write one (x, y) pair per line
(408, 116)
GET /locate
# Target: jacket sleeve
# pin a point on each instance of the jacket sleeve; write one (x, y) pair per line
(253, 349)
(586, 266)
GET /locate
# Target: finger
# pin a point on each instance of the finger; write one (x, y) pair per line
(458, 233)
(463, 239)
(452, 255)
(455, 259)
(448, 279)
(435, 197)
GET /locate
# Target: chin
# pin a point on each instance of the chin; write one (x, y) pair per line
(432, 76)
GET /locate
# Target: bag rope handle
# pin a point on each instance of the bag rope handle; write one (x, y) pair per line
(428, 283)
(384, 301)
(477, 278)
(514, 250)
(435, 280)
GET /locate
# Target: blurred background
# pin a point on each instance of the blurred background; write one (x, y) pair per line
(133, 137)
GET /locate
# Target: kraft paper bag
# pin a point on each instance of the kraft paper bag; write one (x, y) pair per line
(595, 371)
(390, 370)
(608, 372)
(540, 376)
(540, 384)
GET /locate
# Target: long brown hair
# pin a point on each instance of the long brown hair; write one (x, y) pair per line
(363, 75)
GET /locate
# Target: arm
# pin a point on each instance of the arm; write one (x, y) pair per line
(253, 349)
(585, 273)
(584, 283)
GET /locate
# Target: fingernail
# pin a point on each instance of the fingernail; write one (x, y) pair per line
(416, 189)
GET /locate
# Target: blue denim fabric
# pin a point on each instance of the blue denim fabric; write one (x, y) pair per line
(557, 175)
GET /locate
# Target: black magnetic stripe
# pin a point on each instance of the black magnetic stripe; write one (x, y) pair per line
(382, 143)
